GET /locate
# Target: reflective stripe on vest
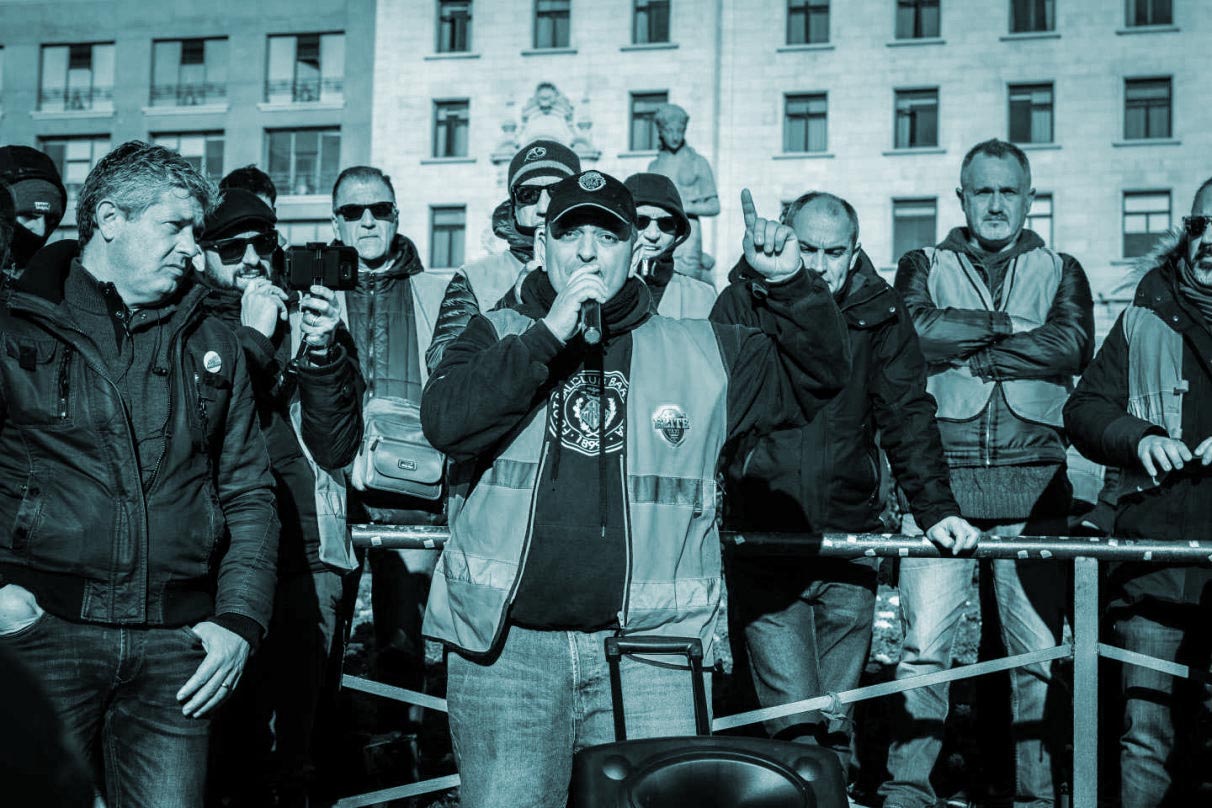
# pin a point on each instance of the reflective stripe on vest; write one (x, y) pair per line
(676, 425)
(1028, 291)
(1155, 382)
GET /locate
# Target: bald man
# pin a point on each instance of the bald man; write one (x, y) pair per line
(807, 622)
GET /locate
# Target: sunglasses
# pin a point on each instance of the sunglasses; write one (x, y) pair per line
(528, 194)
(1196, 226)
(231, 250)
(383, 211)
(667, 224)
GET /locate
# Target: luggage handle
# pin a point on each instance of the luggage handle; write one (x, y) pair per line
(689, 647)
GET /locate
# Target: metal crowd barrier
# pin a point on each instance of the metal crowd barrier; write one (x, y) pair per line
(1085, 650)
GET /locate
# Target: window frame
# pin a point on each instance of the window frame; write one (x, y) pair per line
(904, 94)
(447, 231)
(918, 21)
(179, 90)
(100, 145)
(555, 15)
(100, 97)
(636, 27)
(806, 9)
(808, 116)
(329, 85)
(1147, 106)
(897, 204)
(648, 97)
(1048, 11)
(455, 29)
(1134, 5)
(323, 179)
(1031, 107)
(1040, 198)
(1149, 232)
(448, 126)
(208, 136)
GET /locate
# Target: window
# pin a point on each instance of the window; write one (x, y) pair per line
(306, 68)
(303, 161)
(188, 72)
(644, 135)
(454, 26)
(804, 123)
(916, 19)
(300, 232)
(1039, 219)
(913, 225)
(77, 78)
(651, 22)
(1146, 218)
(551, 23)
(807, 22)
(203, 150)
(916, 119)
(1031, 113)
(74, 157)
(1032, 15)
(446, 228)
(1146, 108)
(1150, 12)
(451, 120)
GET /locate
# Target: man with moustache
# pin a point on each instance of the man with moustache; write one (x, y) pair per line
(1143, 407)
(309, 405)
(1005, 323)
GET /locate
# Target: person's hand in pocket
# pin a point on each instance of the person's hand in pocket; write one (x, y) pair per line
(18, 609)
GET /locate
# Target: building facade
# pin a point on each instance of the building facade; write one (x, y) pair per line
(225, 83)
(876, 100)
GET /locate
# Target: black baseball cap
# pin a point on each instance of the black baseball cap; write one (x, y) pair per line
(240, 210)
(590, 190)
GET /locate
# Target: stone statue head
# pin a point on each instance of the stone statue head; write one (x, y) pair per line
(671, 123)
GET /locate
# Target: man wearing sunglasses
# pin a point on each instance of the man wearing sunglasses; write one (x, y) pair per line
(391, 313)
(309, 406)
(479, 284)
(1144, 406)
(662, 225)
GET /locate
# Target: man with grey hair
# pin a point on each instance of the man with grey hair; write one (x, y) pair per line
(138, 570)
(1005, 323)
(692, 174)
(807, 621)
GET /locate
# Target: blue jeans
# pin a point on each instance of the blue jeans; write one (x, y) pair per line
(517, 718)
(806, 635)
(115, 689)
(1158, 708)
(932, 593)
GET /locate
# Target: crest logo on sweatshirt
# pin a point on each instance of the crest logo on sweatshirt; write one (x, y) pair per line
(587, 411)
(535, 153)
(671, 422)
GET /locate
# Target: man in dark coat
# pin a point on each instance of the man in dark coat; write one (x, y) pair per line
(808, 622)
(1143, 407)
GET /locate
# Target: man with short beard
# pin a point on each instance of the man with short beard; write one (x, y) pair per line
(1143, 407)
(309, 404)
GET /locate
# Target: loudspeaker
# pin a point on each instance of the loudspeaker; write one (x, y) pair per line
(701, 771)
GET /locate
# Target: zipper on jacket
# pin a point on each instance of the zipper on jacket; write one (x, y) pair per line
(168, 421)
(64, 376)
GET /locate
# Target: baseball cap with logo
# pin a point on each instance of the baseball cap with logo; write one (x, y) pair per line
(33, 181)
(542, 158)
(591, 190)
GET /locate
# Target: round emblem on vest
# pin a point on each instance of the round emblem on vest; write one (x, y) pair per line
(592, 181)
(212, 362)
(671, 422)
(535, 153)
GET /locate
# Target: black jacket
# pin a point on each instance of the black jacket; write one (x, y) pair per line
(93, 535)
(1098, 422)
(330, 396)
(985, 340)
(825, 476)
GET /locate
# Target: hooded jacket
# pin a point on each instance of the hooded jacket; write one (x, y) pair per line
(1152, 376)
(673, 294)
(329, 401)
(983, 339)
(559, 421)
(17, 164)
(96, 535)
(826, 476)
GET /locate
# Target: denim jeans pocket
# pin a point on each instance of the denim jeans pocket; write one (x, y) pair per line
(28, 628)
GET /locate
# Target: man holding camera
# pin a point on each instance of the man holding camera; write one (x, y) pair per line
(308, 393)
(594, 510)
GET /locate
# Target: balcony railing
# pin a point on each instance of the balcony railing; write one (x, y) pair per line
(76, 99)
(187, 95)
(304, 91)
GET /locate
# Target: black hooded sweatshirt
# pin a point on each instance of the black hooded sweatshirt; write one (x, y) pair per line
(487, 388)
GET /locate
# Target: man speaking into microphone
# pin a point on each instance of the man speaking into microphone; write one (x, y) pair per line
(593, 509)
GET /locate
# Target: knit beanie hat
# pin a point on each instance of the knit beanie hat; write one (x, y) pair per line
(542, 158)
(33, 181)
(658, 190)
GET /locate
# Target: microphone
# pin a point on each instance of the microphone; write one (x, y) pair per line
(591, 322)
